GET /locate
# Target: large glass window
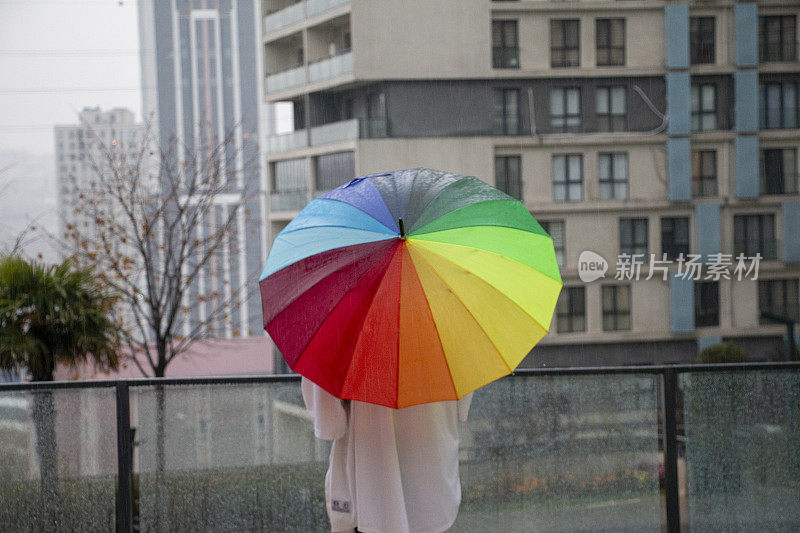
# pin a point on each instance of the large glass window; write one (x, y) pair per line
(674, 237)
(610, 36)
(777, 38)
(333, 170)
(633, 236)
(704, 107)
(571, 310)
(704, 173)
(616, 307)
(778, 105)
(506, 113)
(556, 230)
(564, 43)
(565, 109)
(754, 234)
(611, 108)
(567, 178)
(508, 175)
(701, 40)
(706, 304)
(779, 171)
(779, 297)
(613, 176)
(505, 44)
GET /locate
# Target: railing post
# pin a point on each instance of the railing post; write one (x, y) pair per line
(671, 451)
(124, 460)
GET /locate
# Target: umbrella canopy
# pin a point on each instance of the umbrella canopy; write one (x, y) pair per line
(409, 287)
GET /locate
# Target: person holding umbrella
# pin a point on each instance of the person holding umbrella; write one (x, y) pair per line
(395, 296)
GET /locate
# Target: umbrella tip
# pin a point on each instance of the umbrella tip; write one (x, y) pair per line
(402, 228)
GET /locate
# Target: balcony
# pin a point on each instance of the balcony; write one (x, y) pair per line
(288, 200)
(286, 79)
(700, 447)
(330, 67)
(282, 18)
(294, 13)
(286, 142)
(346, 130)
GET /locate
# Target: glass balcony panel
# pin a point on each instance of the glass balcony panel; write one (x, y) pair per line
(286, 79)
(58, 460)
(284, 17)
(315, 7)
(330, 67)
(293, 200)
(587, 460)
(742, 450)
(287, 141)
(345, 130)
(228, 457)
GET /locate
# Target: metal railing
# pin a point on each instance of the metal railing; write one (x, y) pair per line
(541, 446)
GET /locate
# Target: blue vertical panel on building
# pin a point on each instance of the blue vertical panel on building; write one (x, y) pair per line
(678, 102)
(791, 231)
(679, 168)
(746, 97)
(747, 159)
(681, 299)
(705, 342)
(676, 27)
(706, 219)
(746, 23)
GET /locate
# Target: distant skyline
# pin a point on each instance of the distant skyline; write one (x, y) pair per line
(59, 57)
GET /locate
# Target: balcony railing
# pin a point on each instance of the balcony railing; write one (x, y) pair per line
(315, 7)
(700, 447)
(330, 67)
(345, 130)
(286, 79)
(284, 17)
(287, 141)
(288, 200)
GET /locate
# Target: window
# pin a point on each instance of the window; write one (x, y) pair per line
(571, 310)
(675, 237)
(377, 122)
(754, 234)
(701, 40)
(611, 109)
(779, 297)
(555, 228)
(564, 43)
(565, 109)
(505, 44)
(706, 304)
(613, 171)
(704, 173)
(778, 105)
(506, 115)
(333, 170)
(508, 175)
(567, 178)
(610, 35)
(616, 307)
(777, 39)
(290, 175)
(704, 107)
(633, 236)
(779, 171)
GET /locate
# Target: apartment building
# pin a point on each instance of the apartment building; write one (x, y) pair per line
(642, 127)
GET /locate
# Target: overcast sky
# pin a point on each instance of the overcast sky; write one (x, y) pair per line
(58, 56)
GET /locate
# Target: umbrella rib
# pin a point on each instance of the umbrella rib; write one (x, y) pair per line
(433, 269)
(487, 282)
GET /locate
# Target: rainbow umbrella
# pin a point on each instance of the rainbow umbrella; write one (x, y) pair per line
(409, 287)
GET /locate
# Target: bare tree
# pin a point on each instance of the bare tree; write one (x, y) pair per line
(160, 222)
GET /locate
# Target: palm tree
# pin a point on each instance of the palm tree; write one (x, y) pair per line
(52, 315)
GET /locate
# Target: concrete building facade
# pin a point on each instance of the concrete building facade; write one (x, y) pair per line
(644, 127)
